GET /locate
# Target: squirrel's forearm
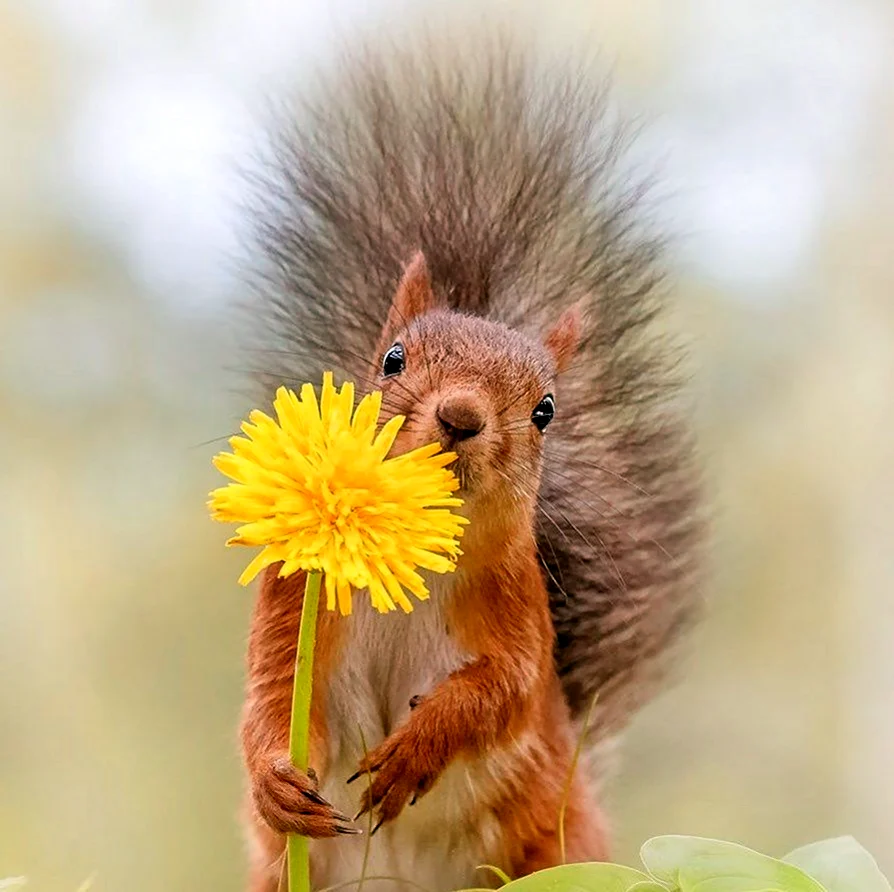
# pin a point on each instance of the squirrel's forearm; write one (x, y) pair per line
(271, 666)
(504, 619)
(481, 704)
(272, 647)
(265, 720)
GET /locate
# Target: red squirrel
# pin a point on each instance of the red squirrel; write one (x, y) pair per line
(453, 230)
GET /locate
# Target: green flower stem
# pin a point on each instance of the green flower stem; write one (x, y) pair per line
(299, 737)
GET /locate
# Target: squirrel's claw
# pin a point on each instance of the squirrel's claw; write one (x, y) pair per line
(360, 772)
(288, 801)
(404, 768)
(361, 813)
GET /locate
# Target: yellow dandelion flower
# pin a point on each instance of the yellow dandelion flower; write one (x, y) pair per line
(315, 489)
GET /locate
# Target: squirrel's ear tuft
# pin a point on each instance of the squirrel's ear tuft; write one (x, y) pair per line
(564, 337)
(414, 294)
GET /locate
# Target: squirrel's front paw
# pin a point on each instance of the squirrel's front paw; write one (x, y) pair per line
(287, 801)
(404, 767)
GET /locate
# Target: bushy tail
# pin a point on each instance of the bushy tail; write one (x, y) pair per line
(505, 171)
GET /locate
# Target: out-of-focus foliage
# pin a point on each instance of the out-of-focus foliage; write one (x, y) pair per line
(576, 877)
(691, 864)
(121, 626)
(841, 865)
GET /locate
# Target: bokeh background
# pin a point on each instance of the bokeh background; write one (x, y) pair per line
(121, 625)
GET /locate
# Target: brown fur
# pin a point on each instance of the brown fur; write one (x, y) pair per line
(580, 561)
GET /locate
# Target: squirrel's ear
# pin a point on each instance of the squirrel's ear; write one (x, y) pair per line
(414, 295)
(564, 337)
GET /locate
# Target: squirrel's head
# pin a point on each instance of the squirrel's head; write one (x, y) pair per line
(480, 388)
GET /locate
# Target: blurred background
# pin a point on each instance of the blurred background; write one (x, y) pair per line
(121, 625)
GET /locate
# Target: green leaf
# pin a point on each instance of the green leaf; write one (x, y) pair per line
(584, 878)
(729, 884)
(841, 865)
(689, 862)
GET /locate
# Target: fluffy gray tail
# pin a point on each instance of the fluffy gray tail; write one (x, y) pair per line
(505, 171)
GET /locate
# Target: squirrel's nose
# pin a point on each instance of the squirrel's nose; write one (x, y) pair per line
(461, 416)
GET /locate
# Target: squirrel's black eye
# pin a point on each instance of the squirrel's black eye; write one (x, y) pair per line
(543, 412)
(394, 361)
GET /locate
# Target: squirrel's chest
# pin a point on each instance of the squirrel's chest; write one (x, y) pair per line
(383, 663)
(386, 660)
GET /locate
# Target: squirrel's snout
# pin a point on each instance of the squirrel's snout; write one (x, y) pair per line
(461, 416)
